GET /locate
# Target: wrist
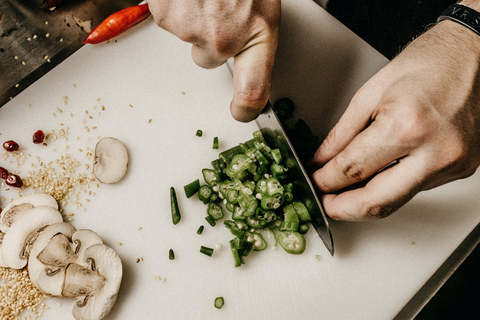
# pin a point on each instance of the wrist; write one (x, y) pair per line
(474, 4)
(461, 23)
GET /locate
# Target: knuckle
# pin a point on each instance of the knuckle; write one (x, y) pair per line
(378, 211)
(354, 172)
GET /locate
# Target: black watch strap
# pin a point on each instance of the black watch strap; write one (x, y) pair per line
(464, 15)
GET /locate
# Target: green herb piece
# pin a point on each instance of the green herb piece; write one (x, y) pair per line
(171, 254)
(174, 205)
(206, 250)
(199, 133)
(192, 188)
(219, 302)
(215, 143)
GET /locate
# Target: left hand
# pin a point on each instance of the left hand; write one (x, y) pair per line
(422, 110)
(220, 29)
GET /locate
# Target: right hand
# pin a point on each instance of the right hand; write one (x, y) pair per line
(218, 30)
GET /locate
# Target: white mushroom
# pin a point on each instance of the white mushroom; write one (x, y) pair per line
(2, 263)
(13, 247)
(82, 239)
(22, 204)
(42, 276)
(97, 305)
(111, 160)
(58, 252)
(82, 282)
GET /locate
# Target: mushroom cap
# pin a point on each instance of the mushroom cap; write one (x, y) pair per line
(31, 221)
(20, 205)
(109, 265)
(36, 269)
(84, 238)
(111, 160)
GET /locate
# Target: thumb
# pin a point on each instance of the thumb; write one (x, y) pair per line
(252, 78)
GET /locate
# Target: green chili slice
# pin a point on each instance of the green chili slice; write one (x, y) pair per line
(206, 250)
(174, 205)
(219, 302)
(192, 188)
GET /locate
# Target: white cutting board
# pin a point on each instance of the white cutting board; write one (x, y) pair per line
(378, 266)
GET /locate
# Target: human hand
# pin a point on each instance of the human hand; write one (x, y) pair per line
(421, 110)
(221, 29)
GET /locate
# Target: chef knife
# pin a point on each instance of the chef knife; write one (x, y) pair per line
(276, 137)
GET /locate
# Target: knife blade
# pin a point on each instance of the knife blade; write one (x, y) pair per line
(276, 137)
(274, 134)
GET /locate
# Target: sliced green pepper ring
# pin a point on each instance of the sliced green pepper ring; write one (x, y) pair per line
(291, 241)
(259, 243)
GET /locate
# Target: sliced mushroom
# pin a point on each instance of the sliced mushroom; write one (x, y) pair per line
(51, 281)
(82, 239)
(80, 281)
(2, 263)
(39, 273)
(22, 204)
(58, 252)
(12, 214)
(111, 160)
(98, 304)
(14, 240)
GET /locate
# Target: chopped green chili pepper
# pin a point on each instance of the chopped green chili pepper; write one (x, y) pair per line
(291, 241)
(215, 143)
(174, 205)
(210, 220)
(200, 229)
(259, 243)
(238, 259)
(199, 133)
(206, 250)
(302, 212)
(219, 302)
(251, 180)
(271, 202)
(171, 254)
(215, 211)
(192, 188)
(205, 193)
(234, 228)
(303, 228)
(276, 156)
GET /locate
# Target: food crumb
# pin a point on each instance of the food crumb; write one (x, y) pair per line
(140, 228)
(413, 243)
(120, 243)
(318, 257)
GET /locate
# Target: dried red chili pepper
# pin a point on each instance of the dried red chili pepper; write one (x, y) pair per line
(14, 180)
(118, 23)
(38, 137)
(3, 173)
(11, 145)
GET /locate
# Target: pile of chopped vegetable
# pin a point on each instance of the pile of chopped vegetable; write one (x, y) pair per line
(250, 181)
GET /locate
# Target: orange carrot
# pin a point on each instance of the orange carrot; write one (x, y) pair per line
(118, 23)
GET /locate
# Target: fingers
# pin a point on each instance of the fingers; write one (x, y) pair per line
(252, 77)
(207, 59)
(370, 151)
(381, 196)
